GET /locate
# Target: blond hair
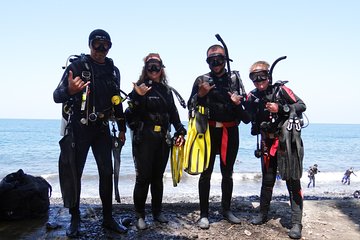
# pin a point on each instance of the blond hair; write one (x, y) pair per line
(260, 65)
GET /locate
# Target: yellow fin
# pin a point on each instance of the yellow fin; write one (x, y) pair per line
(198, 144)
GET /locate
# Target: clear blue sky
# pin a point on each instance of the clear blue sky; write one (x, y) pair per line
(320, 39)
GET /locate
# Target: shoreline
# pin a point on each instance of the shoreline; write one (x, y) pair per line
(128, 200)
(244, 185)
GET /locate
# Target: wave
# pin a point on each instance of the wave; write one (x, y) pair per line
(326, 177)
(245, 184)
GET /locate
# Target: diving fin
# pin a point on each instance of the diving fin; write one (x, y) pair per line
(190, 138)
(198, 144)
(116, 150)
(67, 169)
(176, 163)
(290, 153)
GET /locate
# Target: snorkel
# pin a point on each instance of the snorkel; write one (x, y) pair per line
(228, 60)
(272, 68)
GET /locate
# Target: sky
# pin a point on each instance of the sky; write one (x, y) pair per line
(320, 39)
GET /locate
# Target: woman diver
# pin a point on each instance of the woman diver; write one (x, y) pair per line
(150, 113)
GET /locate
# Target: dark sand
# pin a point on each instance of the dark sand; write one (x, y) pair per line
(323, 218)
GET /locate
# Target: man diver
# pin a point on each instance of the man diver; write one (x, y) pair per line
(311, 174)
(275, 112)
(222, 95)
(347, 174)
(86, 89)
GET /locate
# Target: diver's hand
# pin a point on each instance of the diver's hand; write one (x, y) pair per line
(180, 141)
(235, 98)
(204, 88)
(142, 89)
(76, 84)
(272, 107)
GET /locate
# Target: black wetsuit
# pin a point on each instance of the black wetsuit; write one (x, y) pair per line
(149, 118)
(222, 114)
(105, 82)
(270, 133)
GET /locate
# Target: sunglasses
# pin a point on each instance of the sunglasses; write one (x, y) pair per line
(100, 45)
(259, 76)
(215, 60)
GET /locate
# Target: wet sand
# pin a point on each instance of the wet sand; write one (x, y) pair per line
(323, 218)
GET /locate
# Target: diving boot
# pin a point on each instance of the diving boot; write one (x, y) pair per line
(261, 218)
(113, 225)
(204, 223)
(228, 215)
(160, 218)
(73, 230)
(141, 224)
(295, 231)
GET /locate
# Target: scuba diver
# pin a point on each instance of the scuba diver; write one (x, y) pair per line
(149, 115)
(346, 178)
(222, 95)
(311, 174)
(86, 90)
(276, 115)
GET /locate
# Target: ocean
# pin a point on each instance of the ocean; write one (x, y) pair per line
(32, 145)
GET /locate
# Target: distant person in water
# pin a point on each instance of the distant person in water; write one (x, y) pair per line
(311, 174)
(346, 178)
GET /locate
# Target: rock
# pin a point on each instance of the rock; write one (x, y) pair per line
(247, 233)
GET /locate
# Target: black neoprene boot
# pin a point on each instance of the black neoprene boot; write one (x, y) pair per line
(160, 217)
(113, 225)
(228, 215)
(259, 219)
(296, 202)
(140, 222)
(295, 231)
(73, 230)
(265, 199)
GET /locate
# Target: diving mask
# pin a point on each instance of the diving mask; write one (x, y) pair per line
(100, 45)
(259, 75)
(153, 65)
(215, 60)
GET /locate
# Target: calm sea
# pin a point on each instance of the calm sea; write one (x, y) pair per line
(32, 145)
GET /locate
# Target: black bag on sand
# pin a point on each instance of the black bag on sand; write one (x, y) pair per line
(23, 196)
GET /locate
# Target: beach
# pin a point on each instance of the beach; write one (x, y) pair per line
(330, 211)
(323, 218)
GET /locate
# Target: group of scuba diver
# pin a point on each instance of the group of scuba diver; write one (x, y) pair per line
(90, 93)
